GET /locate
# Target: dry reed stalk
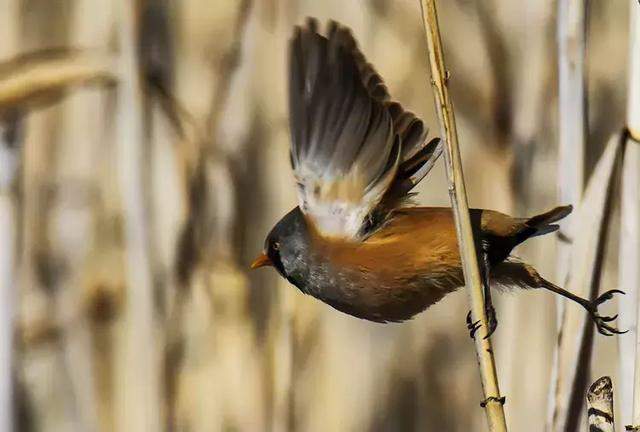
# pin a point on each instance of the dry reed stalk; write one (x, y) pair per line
(572, 29)
(439, 79)
(628, 280)
(9, 162)
(600, 406)
(629, 274)
(137, 364)
(74, 205)
(587, 254)
(41, 77)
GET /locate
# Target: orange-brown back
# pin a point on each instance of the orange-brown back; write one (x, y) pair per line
(412, 261)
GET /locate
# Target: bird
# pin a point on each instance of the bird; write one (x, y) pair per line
(357, 241)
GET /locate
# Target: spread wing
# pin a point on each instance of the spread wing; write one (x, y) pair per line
(355, 154)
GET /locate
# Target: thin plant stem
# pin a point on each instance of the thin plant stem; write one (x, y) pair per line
(572, 29)
(138, 395)
(493, 402)
(630, 209)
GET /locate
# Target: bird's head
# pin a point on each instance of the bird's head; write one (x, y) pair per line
(286, 247)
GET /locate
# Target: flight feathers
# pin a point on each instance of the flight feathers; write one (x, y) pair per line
(355, 153)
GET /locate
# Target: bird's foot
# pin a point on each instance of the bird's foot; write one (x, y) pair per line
(492, 322)
(472, 326)
(601, 321)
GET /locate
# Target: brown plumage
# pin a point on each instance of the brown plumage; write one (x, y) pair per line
(414, 260)
(354, 242)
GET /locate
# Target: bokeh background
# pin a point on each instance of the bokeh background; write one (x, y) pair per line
(138, 203)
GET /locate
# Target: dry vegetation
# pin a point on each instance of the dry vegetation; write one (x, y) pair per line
(143, 156)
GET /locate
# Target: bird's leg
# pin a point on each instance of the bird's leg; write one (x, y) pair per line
(591, 307)
(489, 310)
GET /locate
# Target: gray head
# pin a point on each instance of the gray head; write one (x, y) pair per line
(287, 248)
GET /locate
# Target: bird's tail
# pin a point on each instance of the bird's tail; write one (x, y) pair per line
(544, 223)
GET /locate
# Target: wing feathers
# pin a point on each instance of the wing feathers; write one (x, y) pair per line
(351, 145)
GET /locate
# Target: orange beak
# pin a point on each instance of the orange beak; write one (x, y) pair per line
(261, 261)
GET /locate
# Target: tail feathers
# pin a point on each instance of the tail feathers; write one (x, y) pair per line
(543, 223)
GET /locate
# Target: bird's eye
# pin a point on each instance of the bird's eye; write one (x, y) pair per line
(274, 257)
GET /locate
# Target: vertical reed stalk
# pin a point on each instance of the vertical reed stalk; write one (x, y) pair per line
(630, 225)
(592, 219)
(572, 30)
(444, 108)
(138, 386)
(9, 161)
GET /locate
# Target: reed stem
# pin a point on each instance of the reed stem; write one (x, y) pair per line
(439, 81)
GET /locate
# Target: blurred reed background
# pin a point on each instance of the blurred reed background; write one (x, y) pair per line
(144, 158)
